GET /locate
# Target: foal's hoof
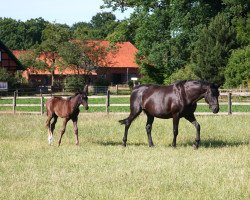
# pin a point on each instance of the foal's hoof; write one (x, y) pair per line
(124, 145)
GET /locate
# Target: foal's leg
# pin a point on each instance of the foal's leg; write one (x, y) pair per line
(63, 130)
(52, 128)
(76, 129)
(49, 128)
(150, 121)
(176, 120)
(191, 118)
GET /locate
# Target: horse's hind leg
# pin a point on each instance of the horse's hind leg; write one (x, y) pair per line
(63, 130)
(52, 128)
(150, 121)
(49, 128)
(135, 110)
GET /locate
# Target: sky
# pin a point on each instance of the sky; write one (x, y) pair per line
(59, 11)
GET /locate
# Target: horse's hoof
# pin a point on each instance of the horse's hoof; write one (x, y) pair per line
(124, 145)
(195, 146)
(151, 146)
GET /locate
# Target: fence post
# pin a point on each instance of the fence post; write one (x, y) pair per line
(107, 101)
(116, 87)
(14, 102)
(229, 103)
(42, 104)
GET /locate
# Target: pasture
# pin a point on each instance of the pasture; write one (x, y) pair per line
(100, 168)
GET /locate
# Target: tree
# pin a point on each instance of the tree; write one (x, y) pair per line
(212, 49)
(21, 35)
(45, 56)
(100, 26)
(238, 68)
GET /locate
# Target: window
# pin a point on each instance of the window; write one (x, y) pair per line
(3, 86)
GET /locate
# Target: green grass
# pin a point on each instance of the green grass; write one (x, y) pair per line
(101, 169)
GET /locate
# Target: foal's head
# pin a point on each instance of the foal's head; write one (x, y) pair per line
(211, 97)
(84, 97)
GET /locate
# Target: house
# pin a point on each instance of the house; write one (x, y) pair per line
(8, 60)
(117, 65)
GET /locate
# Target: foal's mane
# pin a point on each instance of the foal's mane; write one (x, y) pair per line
(73, 96)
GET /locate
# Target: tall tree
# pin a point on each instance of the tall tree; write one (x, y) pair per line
(212, 49)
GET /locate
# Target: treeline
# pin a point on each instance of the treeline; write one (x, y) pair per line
(188, 39)
(21, 35)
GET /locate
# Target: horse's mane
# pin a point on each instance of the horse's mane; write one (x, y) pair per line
(198, 82)
(73, 95)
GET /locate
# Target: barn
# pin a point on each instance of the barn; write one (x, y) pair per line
(9, 62)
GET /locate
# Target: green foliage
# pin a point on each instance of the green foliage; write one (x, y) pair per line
(185, 73)
(74, 83)
(6, 77)
(212, 50)
(21, 35)
(238, 68)
(101, 82)
(14, 80)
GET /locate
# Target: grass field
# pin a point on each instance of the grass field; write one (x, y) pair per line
(100, 168)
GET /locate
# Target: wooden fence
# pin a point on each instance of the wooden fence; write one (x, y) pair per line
(107, 105)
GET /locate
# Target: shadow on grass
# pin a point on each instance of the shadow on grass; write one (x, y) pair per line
(204, 143)
(217, 143)
(114, 143)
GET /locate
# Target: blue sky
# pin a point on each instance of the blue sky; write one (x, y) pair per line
(60, 11)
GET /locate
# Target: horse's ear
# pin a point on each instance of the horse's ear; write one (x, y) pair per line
(215, 85)
(86, 89)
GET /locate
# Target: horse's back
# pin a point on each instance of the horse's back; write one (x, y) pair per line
(156, 100)
(54, 103)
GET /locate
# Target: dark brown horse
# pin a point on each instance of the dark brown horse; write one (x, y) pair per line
(173, 101)
(67, 109)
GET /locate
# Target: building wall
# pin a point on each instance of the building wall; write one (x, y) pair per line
(6, 62)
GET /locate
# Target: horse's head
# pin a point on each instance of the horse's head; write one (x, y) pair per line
(211, 97)
(84, 97)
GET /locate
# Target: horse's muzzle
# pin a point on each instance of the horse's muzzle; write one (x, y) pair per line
(86, 107)
(215, 108)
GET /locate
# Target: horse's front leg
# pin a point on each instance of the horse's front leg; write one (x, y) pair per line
(191, 118)
(63, 130)
(76, 130)
(176, 120)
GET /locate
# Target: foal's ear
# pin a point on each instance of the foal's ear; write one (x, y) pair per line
(86, 89)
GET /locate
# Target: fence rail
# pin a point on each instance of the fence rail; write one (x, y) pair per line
(107, 104)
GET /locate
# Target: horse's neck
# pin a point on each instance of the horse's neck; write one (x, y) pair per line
(74, 102)
(195, 94)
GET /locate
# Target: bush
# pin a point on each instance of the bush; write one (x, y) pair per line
(74, 83)
(185, 73)
(101, 82)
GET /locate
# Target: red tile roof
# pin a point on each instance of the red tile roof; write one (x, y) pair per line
(121, 56)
